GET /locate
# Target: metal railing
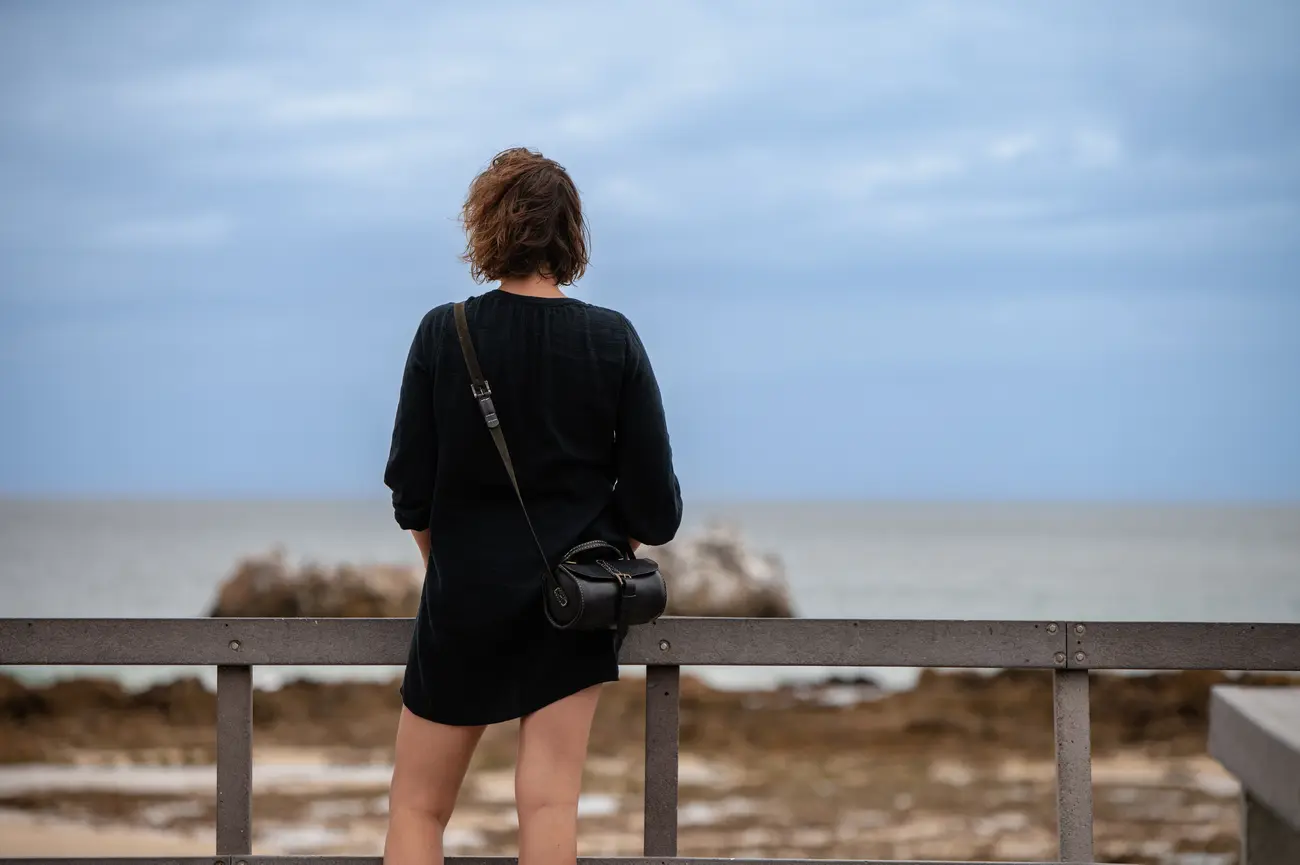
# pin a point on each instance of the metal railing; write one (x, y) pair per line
(1069, 649)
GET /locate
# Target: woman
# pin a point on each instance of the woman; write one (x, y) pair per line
(583, 418)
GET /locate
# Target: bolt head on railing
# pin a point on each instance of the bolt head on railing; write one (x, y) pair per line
(1060, 657)
(664, 645)
(1079, 629)
(1051, 628)
(234, 645)
(1079, 656)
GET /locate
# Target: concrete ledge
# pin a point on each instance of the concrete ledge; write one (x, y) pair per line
(1255, 734)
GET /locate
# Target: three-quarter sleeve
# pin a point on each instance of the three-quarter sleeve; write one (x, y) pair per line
(647, 495)
(412, 458)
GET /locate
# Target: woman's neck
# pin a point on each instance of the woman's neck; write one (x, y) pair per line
(531, 286)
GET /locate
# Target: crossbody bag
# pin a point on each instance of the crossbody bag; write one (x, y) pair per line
(589, 589)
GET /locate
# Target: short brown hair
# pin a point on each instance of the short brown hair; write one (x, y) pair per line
(523, 216)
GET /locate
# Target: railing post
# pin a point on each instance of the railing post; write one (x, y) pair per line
(1073, 723)
(662, 715)
(234, 761)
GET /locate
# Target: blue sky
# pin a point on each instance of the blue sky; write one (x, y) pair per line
(877, 250)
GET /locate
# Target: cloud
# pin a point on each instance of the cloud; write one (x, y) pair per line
(629, 197)
(873, 174)
(1006, 328)
(994, 126)
(790, 110)
(194, 230)
(1097, 148)
(1010, 148)
(833, 191)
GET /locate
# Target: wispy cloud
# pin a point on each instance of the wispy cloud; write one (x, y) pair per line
(1097, 148)
(677, 112)
(1009, 148)
(874, 189)
(192, 230)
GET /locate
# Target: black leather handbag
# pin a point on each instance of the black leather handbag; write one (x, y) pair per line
(589, 589)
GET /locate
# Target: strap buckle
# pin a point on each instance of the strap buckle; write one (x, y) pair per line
(627, 588)
(483, 393)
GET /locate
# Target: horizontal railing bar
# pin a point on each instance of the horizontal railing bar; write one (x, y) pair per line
(847, 642)
(205, 641)
(484, 860)
(670, 641)
(680, 641)
(1184, 646)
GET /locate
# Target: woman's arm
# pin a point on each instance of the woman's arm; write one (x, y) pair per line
(647, 495)
(412, 458)
(422, 541)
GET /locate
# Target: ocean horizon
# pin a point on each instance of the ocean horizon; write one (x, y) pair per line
(1122, 561)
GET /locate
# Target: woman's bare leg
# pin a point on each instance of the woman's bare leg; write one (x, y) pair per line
(429, 767)
(548, 778)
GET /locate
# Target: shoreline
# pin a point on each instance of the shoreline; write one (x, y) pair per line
(728, 678)
(52, 722)
(1149, 810)
(961, 767)
(734, 679)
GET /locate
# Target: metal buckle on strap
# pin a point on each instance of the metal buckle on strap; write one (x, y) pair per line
(484, 396)
(626, 587)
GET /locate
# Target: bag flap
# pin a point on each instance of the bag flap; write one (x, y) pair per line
(627, 567)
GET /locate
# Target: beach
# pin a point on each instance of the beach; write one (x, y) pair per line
(959, 767)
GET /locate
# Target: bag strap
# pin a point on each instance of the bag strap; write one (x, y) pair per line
(482, 392)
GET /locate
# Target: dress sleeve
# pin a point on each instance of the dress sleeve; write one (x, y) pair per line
(647, 495)
(413, 455)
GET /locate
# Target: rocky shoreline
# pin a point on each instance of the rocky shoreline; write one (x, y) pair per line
(1009, 711)
(959, 767)
(714, 572)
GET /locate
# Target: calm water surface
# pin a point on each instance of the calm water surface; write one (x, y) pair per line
(855, 560)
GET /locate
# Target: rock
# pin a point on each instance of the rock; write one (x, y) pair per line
(267, 586)
(711, 574)
(716, 574)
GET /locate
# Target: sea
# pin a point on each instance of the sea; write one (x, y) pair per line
(843, 559)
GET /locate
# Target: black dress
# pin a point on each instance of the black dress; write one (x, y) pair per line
(582, 414)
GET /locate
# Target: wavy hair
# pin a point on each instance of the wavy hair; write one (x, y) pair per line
(523, 216)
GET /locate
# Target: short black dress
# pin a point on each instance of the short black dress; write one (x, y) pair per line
(582, 414)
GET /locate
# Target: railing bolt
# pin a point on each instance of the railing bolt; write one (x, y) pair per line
(664, 645)
(1051, 629)
(234, 644)
(1079, 656)
(1060, 657)
(1079, 629)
